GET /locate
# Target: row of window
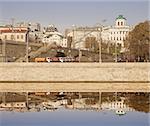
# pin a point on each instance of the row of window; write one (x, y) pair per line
(118, 38)
(12, 37)
(120, 23)
(119, 32)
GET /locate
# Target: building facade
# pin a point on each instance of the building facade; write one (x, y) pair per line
(116, 34)
(51, 35)
(14, 34)
(107, 34)
(79, 35)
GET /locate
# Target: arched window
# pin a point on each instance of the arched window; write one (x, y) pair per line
(118, 23)
(121, 23)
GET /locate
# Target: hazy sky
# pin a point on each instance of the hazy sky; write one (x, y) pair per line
(64, 13)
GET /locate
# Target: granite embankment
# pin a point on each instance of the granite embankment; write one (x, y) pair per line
(108, 77)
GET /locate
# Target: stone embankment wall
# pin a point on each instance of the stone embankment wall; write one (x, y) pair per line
(75, 76)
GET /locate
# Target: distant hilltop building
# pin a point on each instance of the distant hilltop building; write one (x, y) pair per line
(51, 35)
(109, 34)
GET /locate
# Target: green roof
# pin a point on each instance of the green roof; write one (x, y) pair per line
(120, 17)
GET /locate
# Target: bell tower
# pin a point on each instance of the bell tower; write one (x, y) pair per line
(120, 21)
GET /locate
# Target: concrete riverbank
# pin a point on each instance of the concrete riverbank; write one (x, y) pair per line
(106, 77)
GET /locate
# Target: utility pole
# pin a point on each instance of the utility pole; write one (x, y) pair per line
(149, 49)
(115, 51)
(12, 23)
(100, 42)
(100, 100)
(27, 44)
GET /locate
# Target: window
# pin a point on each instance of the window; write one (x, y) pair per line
(12, 37)
(17, 36)
(121, 23)
(21, 36)
(114, 38)
(118, 23)
(5, 36)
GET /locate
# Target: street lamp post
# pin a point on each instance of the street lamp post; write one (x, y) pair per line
(100, 42)
(149, 50)
(115, 51)
(79, 50)
(27, 44)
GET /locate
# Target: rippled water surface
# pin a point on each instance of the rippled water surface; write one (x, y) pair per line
(74, 109)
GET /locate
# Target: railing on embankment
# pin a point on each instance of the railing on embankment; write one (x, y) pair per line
(106, 77)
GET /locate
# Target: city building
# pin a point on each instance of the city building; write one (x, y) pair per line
(51, 35)
(78, 36)
(35, 34)
(13, 33)
(107, 34)
(116, 34)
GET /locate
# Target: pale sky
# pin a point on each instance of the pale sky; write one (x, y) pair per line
(64, 13)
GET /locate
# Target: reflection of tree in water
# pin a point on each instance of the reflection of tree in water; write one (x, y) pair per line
(91, 101)
(139, 101)
(111, 96)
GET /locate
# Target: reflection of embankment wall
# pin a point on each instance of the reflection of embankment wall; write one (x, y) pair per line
(73, 76)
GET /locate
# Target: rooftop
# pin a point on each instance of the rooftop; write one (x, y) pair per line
(121, 17)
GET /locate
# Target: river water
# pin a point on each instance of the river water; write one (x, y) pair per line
(74, 109)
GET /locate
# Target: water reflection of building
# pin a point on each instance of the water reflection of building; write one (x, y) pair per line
(35, 102)
(82, 105)
(120, 107)
(14, 106)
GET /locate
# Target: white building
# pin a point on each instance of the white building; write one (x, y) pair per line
(51, 35)
(15, 34)
(120, 107)
(113, 34)
(80, 34)
(118, 33)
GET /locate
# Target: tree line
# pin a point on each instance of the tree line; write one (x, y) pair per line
(137, 44)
